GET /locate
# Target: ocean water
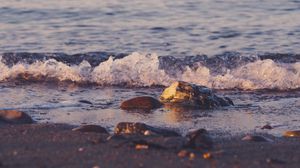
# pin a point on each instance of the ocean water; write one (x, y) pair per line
(57, 55)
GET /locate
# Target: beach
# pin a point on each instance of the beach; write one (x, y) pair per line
(55, 145)
(161, 83)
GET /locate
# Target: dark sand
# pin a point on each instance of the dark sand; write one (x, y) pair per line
(52, 145)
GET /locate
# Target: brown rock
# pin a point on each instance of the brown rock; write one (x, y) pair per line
(143, 102)
(207, 155)
(91, 128)
(182, 153)
(141, 147)
(15, 117)
(295, 133)
(192, 156)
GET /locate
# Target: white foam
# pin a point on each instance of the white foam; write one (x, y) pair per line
(51, 69)
(143, 70)
(135, 69)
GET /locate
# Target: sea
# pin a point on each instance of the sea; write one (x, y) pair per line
(74, 61)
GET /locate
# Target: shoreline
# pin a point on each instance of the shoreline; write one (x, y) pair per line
(56, 145)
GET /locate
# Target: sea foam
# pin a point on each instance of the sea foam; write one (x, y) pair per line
(145, 70)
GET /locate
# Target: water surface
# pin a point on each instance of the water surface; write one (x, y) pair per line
(177, 28)
(75, 61)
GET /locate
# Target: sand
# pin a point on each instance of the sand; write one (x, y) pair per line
(55, 145)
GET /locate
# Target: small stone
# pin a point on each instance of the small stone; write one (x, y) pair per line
(91, 128)
(141, 146)
(267, 126)
(96, 166)
(143, 102)
(192, 156)
(80, 149)
(15, 117)
(256, 138)
(207, 155)
(295, 133)
(198, 139)
(149, 133)
(182, 153)
(141, 129)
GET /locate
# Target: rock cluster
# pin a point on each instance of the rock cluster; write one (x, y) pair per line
(180, 94)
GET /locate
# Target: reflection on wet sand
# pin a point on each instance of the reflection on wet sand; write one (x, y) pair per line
(175, 113)
(63, 103)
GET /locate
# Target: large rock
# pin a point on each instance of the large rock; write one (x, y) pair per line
(15, 117)
(143, 102)
(141, 129)
(186, 94)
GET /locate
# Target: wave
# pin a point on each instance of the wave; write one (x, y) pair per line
(230, 70)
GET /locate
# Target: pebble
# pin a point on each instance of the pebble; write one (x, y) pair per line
(192, 156)
(295, 133)
(141, 146)
(182, 153)
(207, 155)
(148, 133)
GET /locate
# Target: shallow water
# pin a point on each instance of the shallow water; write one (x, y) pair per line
(66, 103)
(75, 61)
(165, 27)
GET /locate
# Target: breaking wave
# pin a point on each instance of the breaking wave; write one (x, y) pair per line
(229, 70)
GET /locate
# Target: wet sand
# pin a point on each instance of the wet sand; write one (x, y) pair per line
(55, 145)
